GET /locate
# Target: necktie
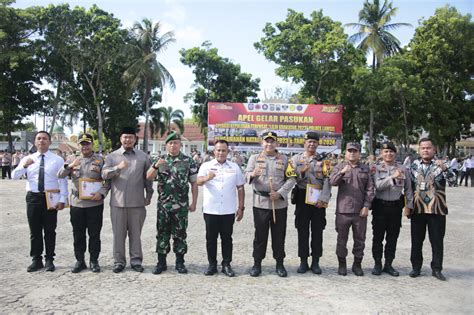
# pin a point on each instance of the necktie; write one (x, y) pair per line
(41, 175)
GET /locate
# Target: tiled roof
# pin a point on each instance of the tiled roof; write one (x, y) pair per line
(192, 132)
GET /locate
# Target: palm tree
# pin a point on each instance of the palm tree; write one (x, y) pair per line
(145, 70)
(163, 120)
(374, 36)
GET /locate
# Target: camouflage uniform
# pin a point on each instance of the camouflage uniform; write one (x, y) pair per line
(173, 202)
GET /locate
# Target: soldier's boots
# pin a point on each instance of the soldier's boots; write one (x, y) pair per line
(94, 265)
(256, 269)
(389, 269)
(342, 269)
(161, 265)
(377, 270)
(79, 266)
(180, 264)
(357, 267)
(280, 269)
(315, 266)
(303, 266)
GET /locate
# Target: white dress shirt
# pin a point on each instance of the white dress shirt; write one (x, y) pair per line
(219, 194)
(52, 164)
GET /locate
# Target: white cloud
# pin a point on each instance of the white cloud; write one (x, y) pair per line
(189, 34)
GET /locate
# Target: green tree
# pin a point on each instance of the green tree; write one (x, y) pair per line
(216, 79)
(313, 52)
(374, 35)
(163, 119)
(442, 50)
(145, 70)
(19, 92)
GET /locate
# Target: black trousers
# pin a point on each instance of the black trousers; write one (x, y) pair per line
(6, 171)
(41, 219)
(89, 219)
(386, 224)
(219, 225)
(436, 229)
(306, 217)
(263, 221)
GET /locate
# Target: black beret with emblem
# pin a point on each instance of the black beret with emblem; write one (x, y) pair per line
(269, 134)
(311, 135)
(173, 136)
(389, 145)
(128, 131)
(85, 138)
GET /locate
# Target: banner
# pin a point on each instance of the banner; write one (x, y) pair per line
(241, 124)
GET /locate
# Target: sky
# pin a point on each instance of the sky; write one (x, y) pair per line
(234, 26)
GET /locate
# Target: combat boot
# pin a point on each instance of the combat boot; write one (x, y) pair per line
(180, 264)
(342, 269)
(256, 269)
(377, 270)
(357, 267)
(389, 269)
(280, 269)
(161, 265)
(303, 266)
(315, 266)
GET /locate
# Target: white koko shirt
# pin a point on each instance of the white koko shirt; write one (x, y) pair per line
(52, 164)
(219, 194)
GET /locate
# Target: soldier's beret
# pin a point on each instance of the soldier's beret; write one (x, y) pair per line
(85, 138)
(353, 145)
(311, 135)
(270, 134)
(389, 145)
(173, 136)
(128, 131)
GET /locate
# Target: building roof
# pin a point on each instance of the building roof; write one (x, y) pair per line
(192, 132)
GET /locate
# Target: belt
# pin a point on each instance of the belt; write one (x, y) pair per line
(36, 193)
(388, 202)
(262, 193)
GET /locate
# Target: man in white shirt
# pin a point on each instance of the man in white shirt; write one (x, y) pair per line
(41, 169)
(220, 179)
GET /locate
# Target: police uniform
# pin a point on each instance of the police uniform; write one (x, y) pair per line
(391, 195)
(173, 205)
(307, 215)
(283, 179)
(86, 214)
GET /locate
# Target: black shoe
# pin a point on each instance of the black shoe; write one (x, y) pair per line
(94, 265)
(315, 268)
(342, 269)
(256, 270)
(35, 266)
(227, 269)
(415, 273)
(49, 266)
(118, 268)
(390, 270)
(438, 275)
(377, 270)
(79, 266)
(280, 270)
(211, 270)
(303, 266)
(181, 267)
(357, 269)
(137, 268)
(159, 268)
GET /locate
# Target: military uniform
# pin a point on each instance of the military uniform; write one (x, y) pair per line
(283, 178)
(391, 195)
(86, 214)
(173, 202)
(308, 214)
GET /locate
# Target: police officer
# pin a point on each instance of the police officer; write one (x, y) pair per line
(310, 171)
(272, 178)
(391, 180)
(86, 209)
(174, 173)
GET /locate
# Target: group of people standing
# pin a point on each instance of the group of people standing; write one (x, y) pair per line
(387, 188)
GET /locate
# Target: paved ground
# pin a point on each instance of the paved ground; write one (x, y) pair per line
(131, 292)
